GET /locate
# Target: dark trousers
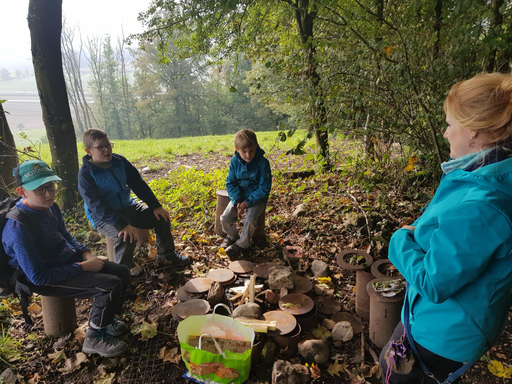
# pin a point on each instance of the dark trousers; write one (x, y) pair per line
(107, 288)
(139, 216)
(439, 366)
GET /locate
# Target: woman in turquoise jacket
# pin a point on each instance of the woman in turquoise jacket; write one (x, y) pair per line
(457, 257)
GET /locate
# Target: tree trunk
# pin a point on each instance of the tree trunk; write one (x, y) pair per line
(45, 24)
(496, 22)
(8, 156)
(305, 21)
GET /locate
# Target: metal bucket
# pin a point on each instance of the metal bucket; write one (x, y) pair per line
(309, 320)
(290, 340)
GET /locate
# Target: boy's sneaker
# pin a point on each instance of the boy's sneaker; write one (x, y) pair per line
(234, 250)
(228, 241)
(100, 341)
(178, 260)
(117, 328)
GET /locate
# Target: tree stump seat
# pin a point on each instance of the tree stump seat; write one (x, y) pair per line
(59, 315)
(222, 203)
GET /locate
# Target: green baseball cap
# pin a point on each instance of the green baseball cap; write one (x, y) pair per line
(31, 174)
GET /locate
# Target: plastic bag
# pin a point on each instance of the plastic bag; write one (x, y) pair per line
(223, 367)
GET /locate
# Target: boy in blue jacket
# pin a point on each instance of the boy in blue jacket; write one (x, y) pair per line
(105, 181)
(56, 264)
(248, 184)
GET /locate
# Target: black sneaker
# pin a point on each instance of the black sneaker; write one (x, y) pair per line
(228, 241)
(117, 328)
(101, 342)
(178, 260)
(234, 250)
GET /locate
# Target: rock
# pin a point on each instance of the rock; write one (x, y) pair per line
(319, 268)
(269, 352)
(146, 169)
(279, 277)
(136, 271)
(300, 210)
(284, 372)
(215, 293)
(247, 310)
(328, 323)
(8, 377)
(342, 331)
(314, 351)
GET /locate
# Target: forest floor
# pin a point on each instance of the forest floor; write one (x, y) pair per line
(335, 219)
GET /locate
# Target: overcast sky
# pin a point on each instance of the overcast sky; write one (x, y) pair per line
(94, 18)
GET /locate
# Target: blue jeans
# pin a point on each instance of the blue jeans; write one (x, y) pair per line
(139, 216)
(250, 221)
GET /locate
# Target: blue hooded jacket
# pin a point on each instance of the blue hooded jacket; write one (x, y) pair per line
(458, 262)
(249, 182)
(107, 190)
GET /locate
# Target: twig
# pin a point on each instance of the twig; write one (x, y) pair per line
(362, 350)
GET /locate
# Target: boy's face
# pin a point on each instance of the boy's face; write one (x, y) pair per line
(100, 151)
(40, 198)
(247, 153)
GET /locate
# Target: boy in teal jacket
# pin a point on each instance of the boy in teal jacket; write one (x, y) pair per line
(249, 182)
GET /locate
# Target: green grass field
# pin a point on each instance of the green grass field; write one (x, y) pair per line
(166, 149)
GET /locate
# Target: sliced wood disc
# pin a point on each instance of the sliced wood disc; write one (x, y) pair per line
(357, 324)
(296, 303)
(229, 282)
(198, 285)
(183, 295)
(194, 307)
(241, 266)
(302, 285)
(261, 270)
(285, 322)
(327, 306)
(221, 275)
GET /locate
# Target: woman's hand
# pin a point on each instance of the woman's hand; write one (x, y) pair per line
(161, 212)
(410, 228)
(92, 265)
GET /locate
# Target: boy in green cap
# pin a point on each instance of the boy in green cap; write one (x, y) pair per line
(56, 264)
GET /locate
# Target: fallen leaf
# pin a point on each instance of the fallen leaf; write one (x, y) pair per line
(315, 371)
(336, 368)
(497, 369)
(105, 380)
(69, 367)
(35, 379)
(34, 308)
(81, 358)
(171, 355)
(321, 333)
(57, 356)
(147, 330)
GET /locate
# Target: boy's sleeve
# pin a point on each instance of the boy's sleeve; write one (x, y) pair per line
(91, 195)
(232, 185)
(139, 186)
(261, 194)
(20, 244)
(79, 247)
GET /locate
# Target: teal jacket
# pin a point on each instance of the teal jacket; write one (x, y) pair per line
(458, 263)
(249, 182)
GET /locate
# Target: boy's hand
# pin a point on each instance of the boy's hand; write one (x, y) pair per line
(128, 234)
(92, 265)
(161, 212)
(241, 207)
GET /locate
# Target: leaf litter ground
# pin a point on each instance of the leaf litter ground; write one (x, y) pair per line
(336, 218)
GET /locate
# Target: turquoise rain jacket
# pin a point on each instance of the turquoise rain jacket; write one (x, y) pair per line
(249, 182)
(458, 263)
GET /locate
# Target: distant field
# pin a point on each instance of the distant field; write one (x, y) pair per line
(166, 149)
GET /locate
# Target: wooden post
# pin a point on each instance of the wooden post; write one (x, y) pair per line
(59, 315)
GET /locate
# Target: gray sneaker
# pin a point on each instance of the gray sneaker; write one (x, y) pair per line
(228, 241)
(100, 341)
(117, 328)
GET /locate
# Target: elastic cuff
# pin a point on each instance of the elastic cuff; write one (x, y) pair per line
(80, 264)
